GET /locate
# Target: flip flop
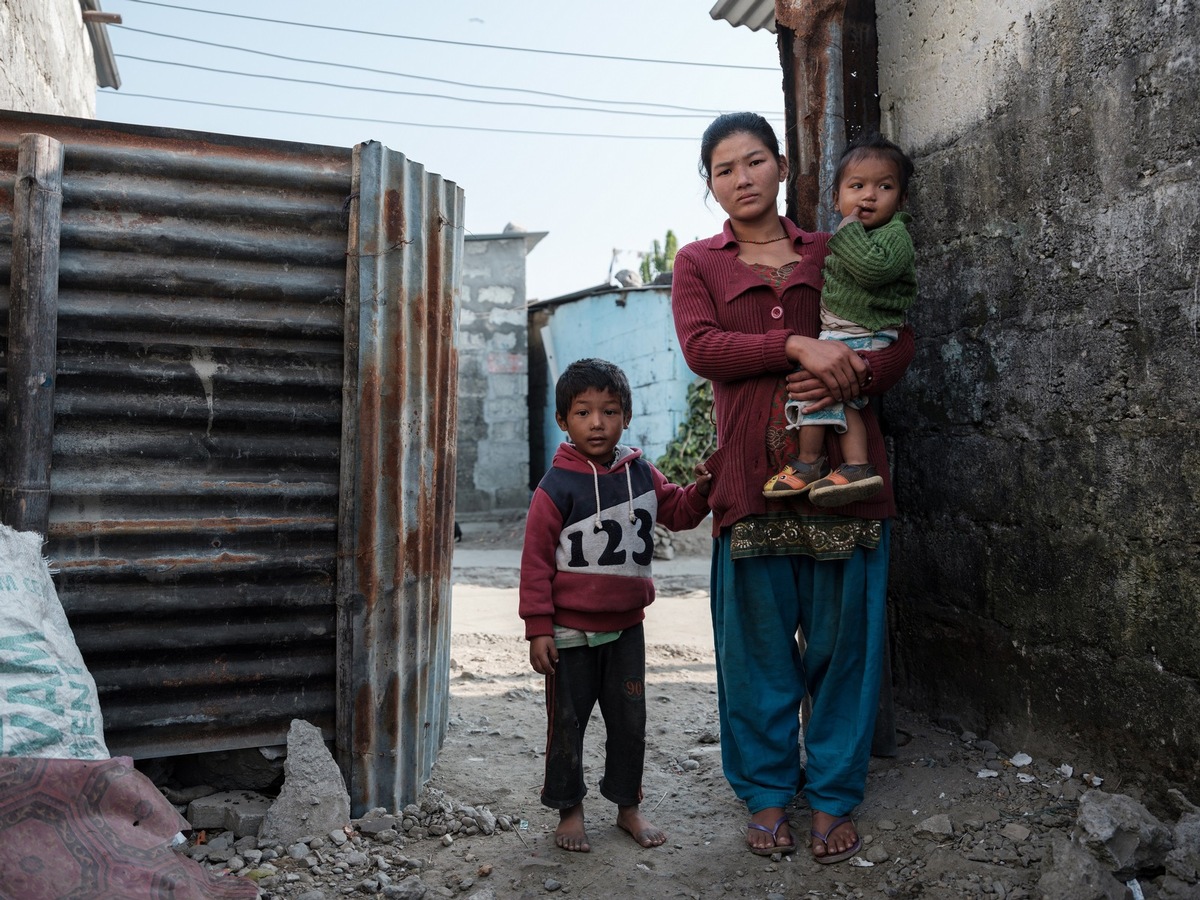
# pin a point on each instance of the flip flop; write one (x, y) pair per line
(831, 858)
(775, 847)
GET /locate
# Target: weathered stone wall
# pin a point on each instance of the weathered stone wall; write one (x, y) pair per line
(46, 57)
(1045, 580)
(493, 381)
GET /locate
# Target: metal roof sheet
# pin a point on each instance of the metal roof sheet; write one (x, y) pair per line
(754, 14)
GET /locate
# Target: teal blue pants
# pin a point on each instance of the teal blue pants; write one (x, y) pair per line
(840, 608)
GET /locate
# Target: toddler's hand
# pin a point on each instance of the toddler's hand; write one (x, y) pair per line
(543, 655)
(703, 480)
(853, 217)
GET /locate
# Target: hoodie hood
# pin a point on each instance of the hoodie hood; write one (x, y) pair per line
(568, 457)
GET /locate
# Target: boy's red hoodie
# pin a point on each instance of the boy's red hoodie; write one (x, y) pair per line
(589, 540)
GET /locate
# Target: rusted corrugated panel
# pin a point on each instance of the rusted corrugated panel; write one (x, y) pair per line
(811, 53)
(253, 447)
(398, 439)
(195, 479)
(829, 55)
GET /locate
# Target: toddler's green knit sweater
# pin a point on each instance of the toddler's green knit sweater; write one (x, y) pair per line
(871, 276)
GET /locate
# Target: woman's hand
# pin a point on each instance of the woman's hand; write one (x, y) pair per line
(832, 372)
(543, 655)
(806, 388)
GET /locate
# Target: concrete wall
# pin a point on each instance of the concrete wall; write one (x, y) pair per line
(493, 414)
(1048, 462)
(632, 328)
(47, 58)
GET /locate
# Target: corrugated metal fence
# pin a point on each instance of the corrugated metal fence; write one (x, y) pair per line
(251, 446)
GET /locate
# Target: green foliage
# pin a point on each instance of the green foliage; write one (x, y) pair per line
(697, 436)
(660, 259)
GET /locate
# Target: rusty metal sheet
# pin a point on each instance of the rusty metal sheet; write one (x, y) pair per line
(196, 423)
(828, 51)
(252, 485)
(395, 545)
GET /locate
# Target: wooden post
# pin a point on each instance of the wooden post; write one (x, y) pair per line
(32, 334)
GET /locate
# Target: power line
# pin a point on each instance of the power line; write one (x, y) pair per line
(352, 87)
(309, 114)
(466, 84)
(410, 37)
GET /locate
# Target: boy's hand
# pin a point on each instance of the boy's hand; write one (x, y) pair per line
(543, 655)
(703, 480)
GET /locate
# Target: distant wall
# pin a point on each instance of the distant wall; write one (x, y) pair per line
(493, 417)
(47, 59)
(633, 328)
(1045, 577)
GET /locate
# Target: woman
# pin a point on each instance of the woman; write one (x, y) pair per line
(746, 305)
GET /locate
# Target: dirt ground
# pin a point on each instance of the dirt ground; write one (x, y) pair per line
(931, 825)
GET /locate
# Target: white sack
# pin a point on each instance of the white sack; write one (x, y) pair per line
(48, 702)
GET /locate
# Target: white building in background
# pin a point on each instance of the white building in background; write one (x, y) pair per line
(53, 56)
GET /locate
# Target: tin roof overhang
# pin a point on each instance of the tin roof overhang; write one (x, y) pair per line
(754, 14)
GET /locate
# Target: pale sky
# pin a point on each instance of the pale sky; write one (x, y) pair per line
(593, 195)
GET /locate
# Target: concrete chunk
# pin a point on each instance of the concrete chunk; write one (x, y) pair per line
(241, 812)
(314, 799)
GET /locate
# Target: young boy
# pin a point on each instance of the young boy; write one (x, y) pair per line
(870, 281)
(585, 584)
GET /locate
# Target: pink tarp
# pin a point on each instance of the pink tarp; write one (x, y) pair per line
(94, 830)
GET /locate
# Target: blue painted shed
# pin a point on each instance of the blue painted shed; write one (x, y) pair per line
(631, 327)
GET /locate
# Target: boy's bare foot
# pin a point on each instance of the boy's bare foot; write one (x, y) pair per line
(570, 834)
(630, 818)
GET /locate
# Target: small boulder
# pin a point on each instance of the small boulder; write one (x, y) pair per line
(938, 826)
(1072, 873)
(411, 888)
(1122, 834)
(1183, 863)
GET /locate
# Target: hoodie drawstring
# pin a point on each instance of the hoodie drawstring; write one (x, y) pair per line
(596, 485)
(629, 487)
